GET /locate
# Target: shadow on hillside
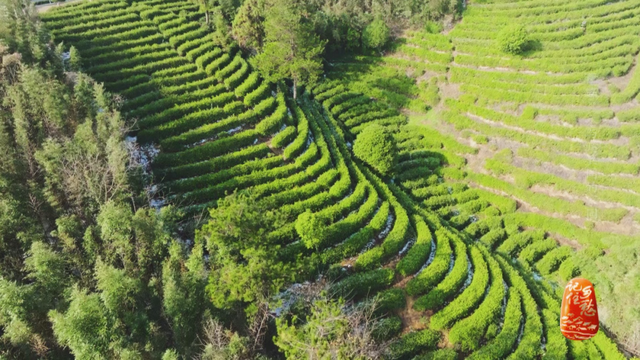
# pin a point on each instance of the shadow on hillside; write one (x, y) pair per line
(374, 77)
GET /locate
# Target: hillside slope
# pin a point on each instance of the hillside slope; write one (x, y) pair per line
(447, 250)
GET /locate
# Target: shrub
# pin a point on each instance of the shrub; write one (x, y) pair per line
(389, 300)
(513, 39)
(469, 331)
(552, 260)
(258, 94)
(215, 164)
(568, 269)
(503, 343)
(435, 271)
(442, 354)
(274, 121)
(451, 283)
(469, 298)
(412, 343)
(311, 228)
(375, 35)
(364, 284)
(419, 252)
(386, 328)
(248, 85)
(376, 146)
(284, 137)
(298, 145)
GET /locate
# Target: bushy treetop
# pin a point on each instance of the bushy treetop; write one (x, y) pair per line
(376, 146)
(512, 39)
(375, 35)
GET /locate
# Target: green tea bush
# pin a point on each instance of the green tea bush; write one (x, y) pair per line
(386, 328)
(419, 252)
(284, 137)
(214, 164)
(568, 269)
(194, 33)
(178, 142)
(205, 151)
(203, 181)
(297, 146)
(441, 354)
(412, 343)
(274, 121)
(216, 65)
(469, 332)
(552, 260)
(363, 284)
(503, 343)
(389, 300)
(207, 52)
(233, 81)
(451, 283)
(261, 92)
(435, 271)
(469, 298)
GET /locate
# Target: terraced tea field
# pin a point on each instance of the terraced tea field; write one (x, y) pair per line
(524, 173)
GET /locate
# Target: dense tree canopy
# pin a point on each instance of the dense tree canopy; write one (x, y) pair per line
(375, 35)
(291, 49)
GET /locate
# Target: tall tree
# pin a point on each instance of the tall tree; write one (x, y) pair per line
(222, 33)
(292, 49)
(184, 300)
(22, 32)
(244, 260)
(248, 25)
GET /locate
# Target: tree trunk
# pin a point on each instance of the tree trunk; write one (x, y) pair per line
(295, 89)
(206, 16)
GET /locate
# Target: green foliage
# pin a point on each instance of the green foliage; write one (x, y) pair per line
(310, 227)
(441, 354)
(386, 328)
(245, 265)
(513, 39)
(47, 268)
(433, 27)
(469, 298)
(116, 285)
(435, 271)
(468, 332)
(83, 328)
(376, 146)
(330, 330)
(375, 35)
(184, 300)
(75, 60)
(291, 49)
(451, 282)
(412, 343)
(284, 137)
(248, 25)
(419, 252)
(363, 284)
(502, 344)
(389, 300)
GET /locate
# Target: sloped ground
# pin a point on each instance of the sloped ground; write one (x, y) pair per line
(465, 260)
